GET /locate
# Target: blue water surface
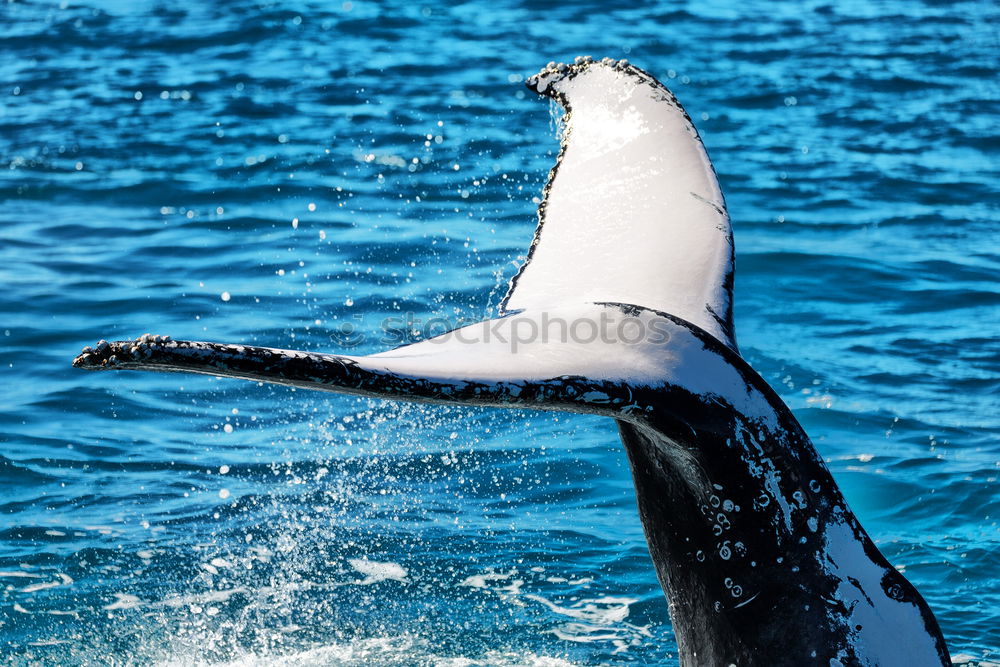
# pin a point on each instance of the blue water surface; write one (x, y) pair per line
(283, 173)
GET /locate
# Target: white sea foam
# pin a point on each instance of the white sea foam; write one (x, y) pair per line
(594, 620)
(375, 571)
(124, 601)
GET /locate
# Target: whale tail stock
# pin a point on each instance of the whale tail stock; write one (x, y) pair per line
(624, 308)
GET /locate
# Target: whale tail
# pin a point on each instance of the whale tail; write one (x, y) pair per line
(624, 308)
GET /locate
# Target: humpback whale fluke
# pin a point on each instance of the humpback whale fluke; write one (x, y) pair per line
(756, 549)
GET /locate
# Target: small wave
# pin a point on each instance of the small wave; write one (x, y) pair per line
(12, 473)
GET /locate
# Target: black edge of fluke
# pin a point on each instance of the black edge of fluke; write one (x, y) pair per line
(324, 372)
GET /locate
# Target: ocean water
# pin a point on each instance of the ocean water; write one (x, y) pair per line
(295, 174)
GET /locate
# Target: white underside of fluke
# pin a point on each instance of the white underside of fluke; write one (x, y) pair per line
(633, 212)
(598, 342)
